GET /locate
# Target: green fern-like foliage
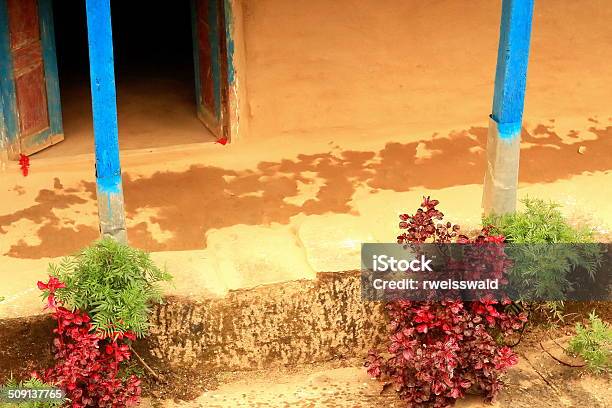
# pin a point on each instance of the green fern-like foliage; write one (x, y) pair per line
(540, 268)
(594, 344)
(540, 223)
(114, 283)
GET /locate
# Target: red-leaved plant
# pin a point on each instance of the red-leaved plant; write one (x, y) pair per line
(441, 349)
(87, 362)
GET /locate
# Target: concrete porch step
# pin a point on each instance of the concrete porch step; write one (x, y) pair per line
(282, 324)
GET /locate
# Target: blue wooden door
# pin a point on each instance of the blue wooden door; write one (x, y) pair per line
(29, 83)
(210, 63)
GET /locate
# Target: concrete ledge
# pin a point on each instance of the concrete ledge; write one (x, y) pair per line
(277, 324)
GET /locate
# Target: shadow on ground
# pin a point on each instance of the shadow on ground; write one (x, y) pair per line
(185, 205)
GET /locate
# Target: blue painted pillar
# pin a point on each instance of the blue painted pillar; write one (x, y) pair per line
(505, 123)
(104, 102)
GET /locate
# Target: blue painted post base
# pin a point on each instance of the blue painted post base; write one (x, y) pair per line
(501, 174)
(112, 214)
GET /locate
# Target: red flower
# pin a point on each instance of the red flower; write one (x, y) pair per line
(24, 163)
(52, 285)
(51, 304)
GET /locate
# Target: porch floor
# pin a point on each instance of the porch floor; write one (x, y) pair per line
(257, 212)
(153, 111)
(325, 166)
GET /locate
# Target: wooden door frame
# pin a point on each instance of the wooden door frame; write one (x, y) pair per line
(3, 138)
(233, 54)
(54, 133)
(219, 60)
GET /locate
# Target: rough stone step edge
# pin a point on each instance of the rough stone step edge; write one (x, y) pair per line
(279, 324)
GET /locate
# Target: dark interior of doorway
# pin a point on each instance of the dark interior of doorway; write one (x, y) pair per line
(154, 75)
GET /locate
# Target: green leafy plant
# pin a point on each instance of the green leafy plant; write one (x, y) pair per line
(438, 350)
(594, 344)
(113, 283)
(33, 384)
(540, 223)
(543, 269)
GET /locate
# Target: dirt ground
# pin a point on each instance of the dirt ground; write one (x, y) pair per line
(25, 346)
(537, 381)
(350, 387)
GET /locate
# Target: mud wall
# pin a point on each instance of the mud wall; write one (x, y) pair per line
(367, 68)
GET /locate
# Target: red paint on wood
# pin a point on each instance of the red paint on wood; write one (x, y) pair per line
(28, 66)
(23, 22)
(32, 101)
(27, 58)
(205, 57)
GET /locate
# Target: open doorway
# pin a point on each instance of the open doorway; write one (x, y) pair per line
(154, 66)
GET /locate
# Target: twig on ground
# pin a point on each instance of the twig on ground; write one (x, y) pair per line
(570, 314)
(147, 367)
(559, 360)
(555, 341)
(385, 387)
(550, 384)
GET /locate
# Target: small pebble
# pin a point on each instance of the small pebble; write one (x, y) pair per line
(582, 149)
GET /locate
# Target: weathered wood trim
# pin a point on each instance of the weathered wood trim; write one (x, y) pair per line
(35, 143)
(7, 86)
(196, 59)
(14, 143)
(212, 116)
(3, 139)
(207, 118)
(227, 54)
(238, 107)
(47, 36)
